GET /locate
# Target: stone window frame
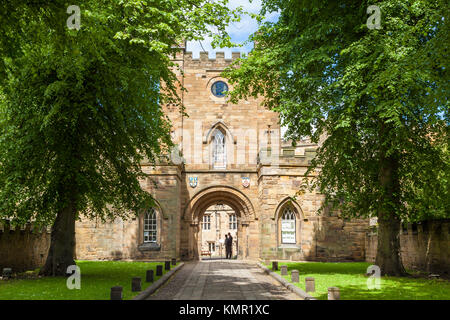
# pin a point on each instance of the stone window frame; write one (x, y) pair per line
(154, 245)
(288, 214)
(232, 221)
(206, 223)
(298, 223)
(223, 135)
(210, 83)
(150, 221)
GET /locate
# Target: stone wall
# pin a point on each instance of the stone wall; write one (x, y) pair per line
(424, 246)
(23, 249)
(123, 239)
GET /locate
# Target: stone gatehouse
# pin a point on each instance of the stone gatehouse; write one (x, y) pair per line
(230, 155)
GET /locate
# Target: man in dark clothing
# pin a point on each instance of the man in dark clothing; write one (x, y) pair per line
(226, 246)
(229, 246)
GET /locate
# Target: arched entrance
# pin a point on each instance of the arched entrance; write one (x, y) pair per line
(208, 197)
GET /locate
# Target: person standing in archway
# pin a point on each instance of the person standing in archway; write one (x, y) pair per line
(229, 245)
(226, 246)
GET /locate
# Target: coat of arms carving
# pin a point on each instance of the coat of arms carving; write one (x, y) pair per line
(193, 181)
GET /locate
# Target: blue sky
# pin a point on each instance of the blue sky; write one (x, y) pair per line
(239, 32)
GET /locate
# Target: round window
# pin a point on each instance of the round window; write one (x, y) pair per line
(219, 89)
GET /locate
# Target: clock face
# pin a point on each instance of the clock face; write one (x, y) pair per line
(219, 89)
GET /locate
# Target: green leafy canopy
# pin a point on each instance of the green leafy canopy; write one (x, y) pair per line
(371, 96)
(80, 109)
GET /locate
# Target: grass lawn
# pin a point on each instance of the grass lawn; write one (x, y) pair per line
(351, 280)
(97, 278)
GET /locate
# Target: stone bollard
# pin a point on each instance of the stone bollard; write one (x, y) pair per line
(159, 270)
(310, 285)
(7, 273)
(167, 265)
(294, 276)
(116, 293)
(174, 262)
(274, 265)
(136, 284)
(149, 276)
(333, 293)
(284, 270)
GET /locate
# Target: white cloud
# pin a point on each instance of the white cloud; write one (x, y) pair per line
(239, 31)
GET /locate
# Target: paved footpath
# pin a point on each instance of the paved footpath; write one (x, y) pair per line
(222, 280)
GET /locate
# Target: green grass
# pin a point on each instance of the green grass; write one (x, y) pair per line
(97, 278)
(351, 280)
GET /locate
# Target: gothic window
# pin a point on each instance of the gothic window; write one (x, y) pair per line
(219, 150)
(206, 222)
(232, 222)
(288, 226)
(150, 226)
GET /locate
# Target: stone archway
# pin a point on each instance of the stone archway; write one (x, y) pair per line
(207, 197)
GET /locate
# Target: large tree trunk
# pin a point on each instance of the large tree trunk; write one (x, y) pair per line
(388, 250)
(62, 244)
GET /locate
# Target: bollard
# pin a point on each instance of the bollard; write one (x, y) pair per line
(333, 293)
(136, 284)
(167, 265)
(116, 293)
(274, 265)
(7, 273)
(310, 285)
(174, 262)
(294, 276)
(284, 271)
(149, 276)
(159, 270)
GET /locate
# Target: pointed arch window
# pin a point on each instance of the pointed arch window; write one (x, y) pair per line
(150, 227)
(288, 230)
(219, 160)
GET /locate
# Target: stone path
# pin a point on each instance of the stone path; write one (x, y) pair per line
(222, 280)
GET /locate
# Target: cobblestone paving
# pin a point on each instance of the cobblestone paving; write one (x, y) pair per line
(222, 280)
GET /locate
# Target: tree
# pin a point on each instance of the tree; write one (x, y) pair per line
(379, 97)
(80, 109)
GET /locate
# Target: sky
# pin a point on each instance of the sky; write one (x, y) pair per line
(239, 32)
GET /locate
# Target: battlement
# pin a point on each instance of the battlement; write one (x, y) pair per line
(5, 227)
(219, 61)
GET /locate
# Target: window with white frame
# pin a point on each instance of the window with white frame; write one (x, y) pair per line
(288, 226)
(150, 226)
(211, 246)
(219, 160)
(232, 222)
(206, 222)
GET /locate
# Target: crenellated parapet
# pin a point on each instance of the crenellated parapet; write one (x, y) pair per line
(219, 62)
(23, 247)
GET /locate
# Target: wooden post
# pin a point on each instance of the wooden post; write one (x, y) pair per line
(284, 271)
(136, 284)
(294, 276)
(149, 276)
(116, 293)
(310, 285)
(333, 293)
(274, 265)
(159, 270)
